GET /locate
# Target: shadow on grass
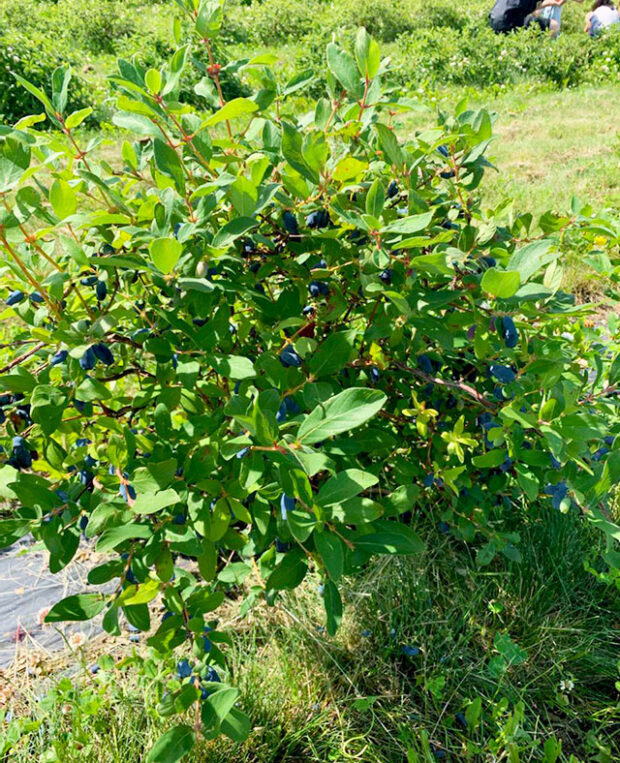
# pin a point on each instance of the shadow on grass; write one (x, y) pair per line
(424, 641)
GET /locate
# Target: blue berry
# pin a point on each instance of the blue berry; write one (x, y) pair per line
(127, 492)
(101, 291)
(86, 478)
(318, 287)
(392, 189)
(184, 669)
(503, 374)
(291, 406)
(288, 358)
(509, 332)
(88, 360)
(410, 651)
(281, 414)
(103, 353)
(290, 222)
(36, 297)
(212, 675)
(557, 492)
(386, 276)
(425, 363)
(15, 297)
(460, 718)
(59, 357)
(286, 504)
(318, 219)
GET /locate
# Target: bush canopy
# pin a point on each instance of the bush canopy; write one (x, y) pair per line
(258, 341)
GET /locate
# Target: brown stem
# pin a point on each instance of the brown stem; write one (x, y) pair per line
(461, 386)
(25, 356)
(32, 280)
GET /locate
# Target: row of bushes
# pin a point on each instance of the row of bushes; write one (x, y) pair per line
(478, 57)
(435, 44)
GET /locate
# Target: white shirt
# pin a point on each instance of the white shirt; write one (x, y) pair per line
(606, 16)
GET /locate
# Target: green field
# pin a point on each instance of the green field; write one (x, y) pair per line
(439, 657)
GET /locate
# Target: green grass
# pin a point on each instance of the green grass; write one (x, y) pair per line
(357, 697)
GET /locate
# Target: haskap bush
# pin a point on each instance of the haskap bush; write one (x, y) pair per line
(269, 342)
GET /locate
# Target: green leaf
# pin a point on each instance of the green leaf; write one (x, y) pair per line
(333, 354)
(61, 77)
(331, 551)
(169, 163)
(116, 535)
(232, 231)
(367, 54)
(333, 607)
(173, 745)
(531, 258)
(77, 117)
(289, 572)
(292, 151)
(408, 225)
(395, 539)
(79, 607)
(223, 701)
(236, 725)
(154, 502)
(343, 412)
(165, 253)
(345, 485)
(502, 284)
(63, 199)
(491, 459)
(139, 594)
(234, 367)
(152, 79)
(47, 406)
(11, 530)
(390, 146)
(92, 389)
(343, 67)
(375, 199)
(38, 94)
(236, 108)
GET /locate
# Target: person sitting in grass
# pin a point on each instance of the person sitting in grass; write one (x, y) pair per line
(603, 14)
(513, 14)
(550, 13)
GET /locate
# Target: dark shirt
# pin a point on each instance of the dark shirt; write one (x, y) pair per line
(510, 14)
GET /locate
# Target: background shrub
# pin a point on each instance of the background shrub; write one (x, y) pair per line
(34, 56)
